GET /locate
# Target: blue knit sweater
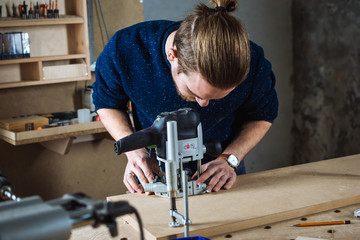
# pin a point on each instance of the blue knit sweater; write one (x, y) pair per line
(133, 65)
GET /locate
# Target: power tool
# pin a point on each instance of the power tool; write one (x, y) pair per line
(6, 189)
(177, 138)
(33, 219)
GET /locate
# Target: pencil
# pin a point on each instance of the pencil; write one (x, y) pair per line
(322, 223)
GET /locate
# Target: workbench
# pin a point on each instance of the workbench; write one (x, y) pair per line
(259, 205)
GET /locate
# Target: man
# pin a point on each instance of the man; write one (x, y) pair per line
(202, 63)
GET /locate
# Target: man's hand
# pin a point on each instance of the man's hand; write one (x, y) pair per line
(139, 165)
(221, 173)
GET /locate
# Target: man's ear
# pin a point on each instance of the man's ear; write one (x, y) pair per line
(171, 55)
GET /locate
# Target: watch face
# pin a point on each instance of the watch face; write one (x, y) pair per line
(233, 160)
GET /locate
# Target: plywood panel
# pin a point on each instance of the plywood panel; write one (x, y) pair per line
(45, 40)
(256, 199)
(281, 230)
(39, 99)
(116, 16)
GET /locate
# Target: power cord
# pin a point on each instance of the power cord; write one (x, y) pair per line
(102, 17)
(140, 224)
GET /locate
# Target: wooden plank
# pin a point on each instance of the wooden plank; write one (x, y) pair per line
(285, 230)
(280, 230)
(39, 59)
(48, 134)
(41, 82)
(18, 22)
(10, 74)
(18, 124)
(65, 71)
(256, 199)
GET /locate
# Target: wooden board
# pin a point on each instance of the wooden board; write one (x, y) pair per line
(281, 230)
(285, 229)
(256, 199)
(19, 138)
(65, 71)
(18, 124)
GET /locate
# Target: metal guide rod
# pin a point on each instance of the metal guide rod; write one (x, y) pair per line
(171, 157)
(185, 201)
(199, 168)
(170, 165)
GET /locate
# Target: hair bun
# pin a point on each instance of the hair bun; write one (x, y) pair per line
(224, 5)
(231, 6)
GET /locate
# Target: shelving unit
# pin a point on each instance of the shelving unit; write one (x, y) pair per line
(59, 41)
(32, 70)
(59, 54)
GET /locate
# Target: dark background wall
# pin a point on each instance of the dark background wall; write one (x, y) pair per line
(326, 80)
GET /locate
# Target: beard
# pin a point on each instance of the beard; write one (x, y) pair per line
(184, 97)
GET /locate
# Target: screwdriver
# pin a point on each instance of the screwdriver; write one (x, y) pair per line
(6, 189)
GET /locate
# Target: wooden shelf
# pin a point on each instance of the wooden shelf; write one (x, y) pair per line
(17, 22)
(40, 82)
(59, 50)
(36, 64)
(42, 59)
(36, 136)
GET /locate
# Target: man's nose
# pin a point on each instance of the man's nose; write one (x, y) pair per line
(202, 102)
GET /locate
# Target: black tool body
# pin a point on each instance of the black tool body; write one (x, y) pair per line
(187, 121)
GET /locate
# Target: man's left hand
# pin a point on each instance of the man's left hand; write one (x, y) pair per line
(221, 173)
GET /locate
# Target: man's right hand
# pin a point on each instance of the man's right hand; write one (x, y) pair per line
(139, 165)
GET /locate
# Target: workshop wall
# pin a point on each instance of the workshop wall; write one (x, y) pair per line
(117, 15)
(89, 167)
(269, 25)
(326, 79)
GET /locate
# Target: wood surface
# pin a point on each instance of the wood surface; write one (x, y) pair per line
(18, 124)
(286, 230)
(275, 231)
(19, 138)
(256, 199)
(65, 71)
(64, 36)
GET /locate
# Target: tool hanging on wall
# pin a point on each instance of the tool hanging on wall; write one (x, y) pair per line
(56, 10)
(31, 11)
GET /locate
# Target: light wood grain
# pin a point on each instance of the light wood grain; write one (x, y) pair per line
(50, 39)
(275, 231)
(18, 124)
(19, 138)
(256, 199)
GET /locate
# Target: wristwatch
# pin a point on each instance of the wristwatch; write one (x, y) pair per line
(232, 160)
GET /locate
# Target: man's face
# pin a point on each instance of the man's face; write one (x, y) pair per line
(193, 87)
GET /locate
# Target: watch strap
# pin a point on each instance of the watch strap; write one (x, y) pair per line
(226, 155)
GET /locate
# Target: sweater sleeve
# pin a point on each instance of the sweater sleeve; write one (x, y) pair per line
(262, 103)
(108, 87)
